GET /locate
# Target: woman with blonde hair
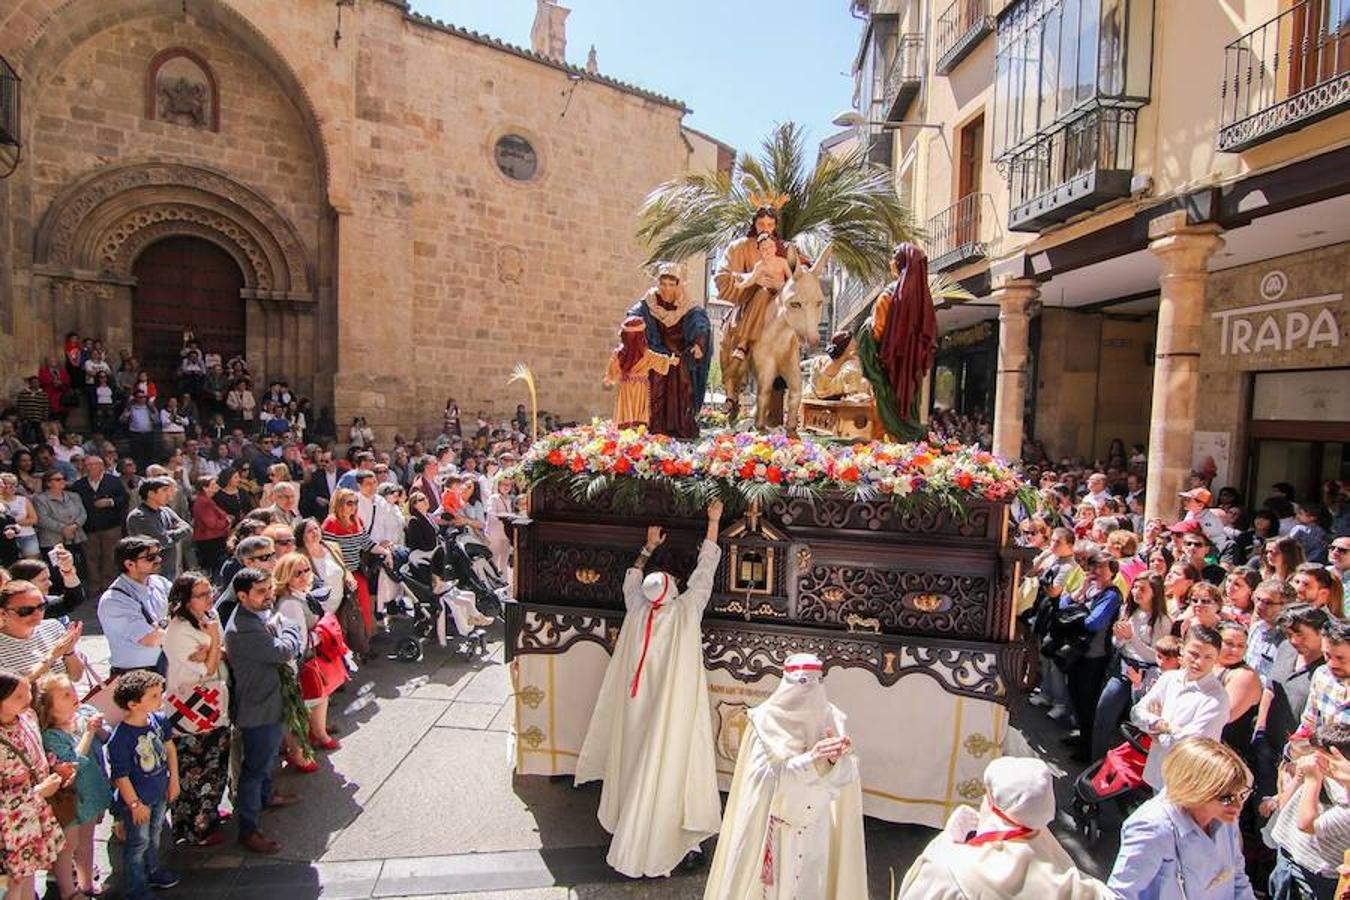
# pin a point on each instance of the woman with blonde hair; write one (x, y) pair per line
(345, 528)
(293, 578)
(1184, 842)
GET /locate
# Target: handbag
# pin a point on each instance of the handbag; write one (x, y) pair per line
(199, 711)
(324, 670)
(64, 803)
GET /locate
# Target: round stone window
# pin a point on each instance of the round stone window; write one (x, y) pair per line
(515, 157)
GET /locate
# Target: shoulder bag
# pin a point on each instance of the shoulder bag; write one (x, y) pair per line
(64, 803)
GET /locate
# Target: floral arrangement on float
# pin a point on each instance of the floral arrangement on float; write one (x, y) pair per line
(757, 468)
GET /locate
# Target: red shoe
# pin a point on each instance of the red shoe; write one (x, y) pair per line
(301, 766)
(331, 744)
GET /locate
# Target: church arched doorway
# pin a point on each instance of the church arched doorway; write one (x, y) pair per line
(185, 284)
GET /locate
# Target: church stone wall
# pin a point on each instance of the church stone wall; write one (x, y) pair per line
(433, 273)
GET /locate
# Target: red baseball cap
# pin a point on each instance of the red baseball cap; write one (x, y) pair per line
(1185, 526)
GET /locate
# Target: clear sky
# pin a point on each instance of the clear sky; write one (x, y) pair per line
(708, 53)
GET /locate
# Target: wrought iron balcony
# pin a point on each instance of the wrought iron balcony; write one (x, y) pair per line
(1285, 74)
(961, 233)
(1078, 165)
(904, 78)
(9, 105)
(959, 30)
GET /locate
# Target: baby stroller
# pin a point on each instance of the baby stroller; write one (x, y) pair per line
(469, 560)
(1118, 776)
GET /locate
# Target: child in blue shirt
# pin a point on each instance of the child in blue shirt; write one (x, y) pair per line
(144, 768)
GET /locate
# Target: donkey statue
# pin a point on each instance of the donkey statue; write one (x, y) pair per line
(793, 319)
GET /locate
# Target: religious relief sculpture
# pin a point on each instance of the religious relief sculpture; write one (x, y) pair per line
(182, 102)
(183, 91)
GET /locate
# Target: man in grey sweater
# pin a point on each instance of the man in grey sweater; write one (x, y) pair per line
(153, 518)
(258, 642)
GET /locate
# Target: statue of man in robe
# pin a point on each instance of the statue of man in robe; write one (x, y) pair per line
(675, 326)
(897, 344)
(750, 287)
(650, 738)
(793, 828)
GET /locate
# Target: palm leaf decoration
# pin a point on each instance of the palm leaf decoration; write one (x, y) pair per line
(522, 373)
(841, 200)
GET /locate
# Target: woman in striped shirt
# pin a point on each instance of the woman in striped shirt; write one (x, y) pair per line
(345, 528)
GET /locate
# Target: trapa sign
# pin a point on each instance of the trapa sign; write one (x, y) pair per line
(1280, 327)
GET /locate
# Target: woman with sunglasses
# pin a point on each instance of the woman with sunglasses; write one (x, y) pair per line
(345, 528)
(32, 835)
(293, 579)
(192, 647)
(1184, 843)
(30, 644)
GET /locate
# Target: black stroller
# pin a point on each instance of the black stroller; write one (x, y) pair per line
(1118, 776)
(436, 581)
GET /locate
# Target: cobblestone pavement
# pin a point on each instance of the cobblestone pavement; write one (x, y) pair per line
(420, 802)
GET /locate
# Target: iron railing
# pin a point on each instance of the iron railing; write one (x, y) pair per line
(960, 233)
(959, 29)
(1285, 74)
(9, 105)
(1078, 165)
(904, 77)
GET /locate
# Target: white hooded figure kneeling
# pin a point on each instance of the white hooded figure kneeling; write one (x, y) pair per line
(650, 738)
(794, 824)
(1003, 850)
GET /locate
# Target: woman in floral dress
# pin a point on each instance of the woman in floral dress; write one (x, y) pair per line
(30, 836)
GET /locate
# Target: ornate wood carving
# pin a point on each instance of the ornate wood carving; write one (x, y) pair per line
(751, 652)
(903, 601)
(837, 513)
(591, 575)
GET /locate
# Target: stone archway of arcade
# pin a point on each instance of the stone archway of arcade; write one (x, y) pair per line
(143, 124)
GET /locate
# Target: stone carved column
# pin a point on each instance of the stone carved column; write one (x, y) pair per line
(1184, 252)
(1015, 298)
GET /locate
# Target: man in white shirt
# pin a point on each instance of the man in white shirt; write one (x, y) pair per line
(383, 524)
(1196, 504)
(1187, 702)
(1097, 493)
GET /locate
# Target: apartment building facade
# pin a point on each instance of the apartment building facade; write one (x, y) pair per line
(1149, 201)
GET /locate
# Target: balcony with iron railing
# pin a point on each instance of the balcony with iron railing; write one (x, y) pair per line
(1076, 166)
(962, 233)
(1285, 74)
(959, 30)
(904, 77)
(10, 113)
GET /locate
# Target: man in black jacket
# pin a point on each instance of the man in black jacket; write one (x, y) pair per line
(319, 487)
(105, 503)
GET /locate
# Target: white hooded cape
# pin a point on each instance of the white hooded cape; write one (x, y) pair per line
(655, 751)
(817, 850)
(1033, 869)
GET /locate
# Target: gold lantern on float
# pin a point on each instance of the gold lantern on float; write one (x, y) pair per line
(753, 582)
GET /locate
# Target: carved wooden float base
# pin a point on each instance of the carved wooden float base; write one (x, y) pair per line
(922, 742)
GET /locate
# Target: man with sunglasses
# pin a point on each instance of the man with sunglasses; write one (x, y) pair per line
(134, 610)
(1339, 555)
(31, 644)
(1195, 549)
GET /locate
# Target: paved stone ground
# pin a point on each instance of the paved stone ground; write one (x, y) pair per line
(420, 802)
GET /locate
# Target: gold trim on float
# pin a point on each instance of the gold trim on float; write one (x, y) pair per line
(956, 746)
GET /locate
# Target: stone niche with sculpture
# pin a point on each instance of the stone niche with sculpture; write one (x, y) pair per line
(180, 89)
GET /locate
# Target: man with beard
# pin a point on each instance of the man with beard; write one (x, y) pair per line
(677, 328)
(793, 828)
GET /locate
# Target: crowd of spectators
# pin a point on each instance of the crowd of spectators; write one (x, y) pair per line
(239, 558)
(1224, 622)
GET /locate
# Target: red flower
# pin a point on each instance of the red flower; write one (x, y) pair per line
(685, 467)
(964, 480)
(668, 467)
(635, 451)
(774, 474)
(622, 466)
(849, 473)
(609, 448)
(747, 470)
(556, 458)
(578, 464)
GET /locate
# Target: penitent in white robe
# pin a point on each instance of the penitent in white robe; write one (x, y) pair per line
(1032, 869)
(654, 751)
(793, 823)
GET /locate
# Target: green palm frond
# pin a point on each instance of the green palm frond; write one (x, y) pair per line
(844, 201)
(945, 289)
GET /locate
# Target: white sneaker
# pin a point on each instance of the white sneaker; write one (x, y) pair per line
(1059, 711)
(1039, 698)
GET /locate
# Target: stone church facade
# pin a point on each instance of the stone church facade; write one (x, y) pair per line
(382, 209)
